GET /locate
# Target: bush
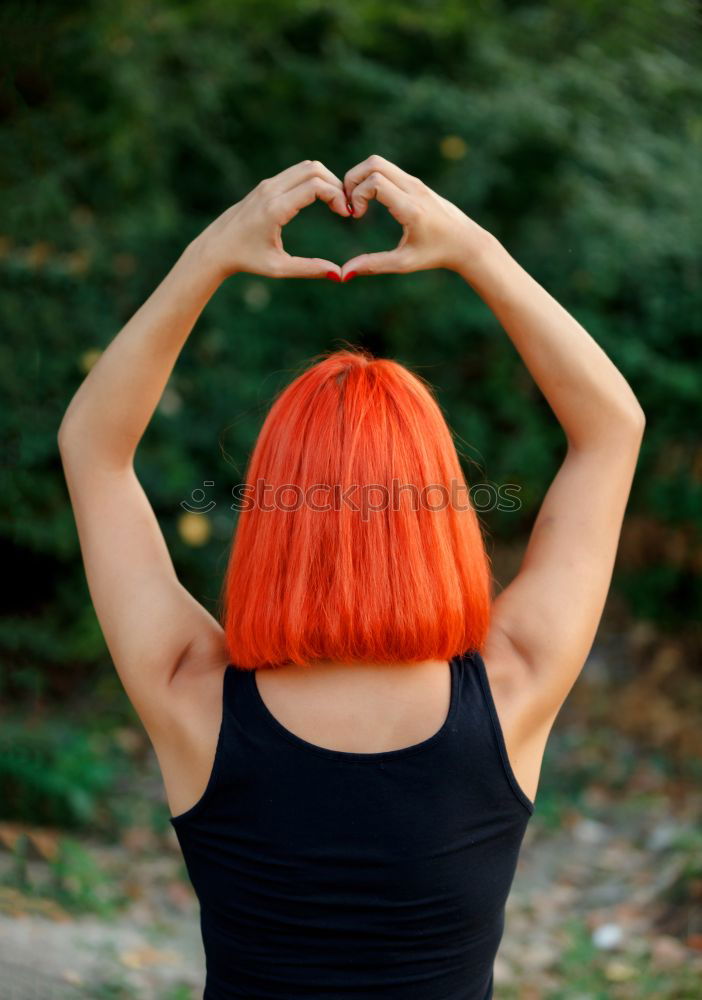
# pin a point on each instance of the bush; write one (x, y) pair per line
(570, 130)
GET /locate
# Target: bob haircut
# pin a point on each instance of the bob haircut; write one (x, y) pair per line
(356, 539)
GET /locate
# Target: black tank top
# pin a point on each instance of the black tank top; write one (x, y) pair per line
(328, 874)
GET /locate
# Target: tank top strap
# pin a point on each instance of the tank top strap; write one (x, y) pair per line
(237, 693)
(473, 728)
(242, 738)
(251, 729)
(479, 719)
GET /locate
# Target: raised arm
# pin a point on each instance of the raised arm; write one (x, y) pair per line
(152, 625)
(544, 622)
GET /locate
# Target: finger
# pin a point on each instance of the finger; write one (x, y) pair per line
(398, 261)
(382, 189)
(286, 206)
(308, 267)
(354, 176)
(300, 172)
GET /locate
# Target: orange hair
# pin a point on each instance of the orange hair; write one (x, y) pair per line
(338, 554)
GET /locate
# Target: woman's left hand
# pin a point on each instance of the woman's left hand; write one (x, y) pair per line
(248, 236)
(435, 232)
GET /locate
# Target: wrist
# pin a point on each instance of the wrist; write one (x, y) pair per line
(477, 249)
(484, 263)
(202, 254)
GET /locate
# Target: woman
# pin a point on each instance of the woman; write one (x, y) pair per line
(351, 757)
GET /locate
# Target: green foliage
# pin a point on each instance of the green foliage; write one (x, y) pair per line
(80, 884)
(56, 773)
(571, 130)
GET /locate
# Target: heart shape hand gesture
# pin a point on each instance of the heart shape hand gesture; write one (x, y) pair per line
(435, 233)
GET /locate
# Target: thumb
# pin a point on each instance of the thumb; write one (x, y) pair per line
(308, 267)
(386, 262)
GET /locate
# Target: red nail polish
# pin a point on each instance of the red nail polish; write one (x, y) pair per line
(333, 276)
(350, 275)
(350, 207)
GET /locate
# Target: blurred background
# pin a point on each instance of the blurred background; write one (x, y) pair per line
(573, 131)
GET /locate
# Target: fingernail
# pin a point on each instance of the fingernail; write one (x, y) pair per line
(350, 275)
(350, 207)
(333, 276)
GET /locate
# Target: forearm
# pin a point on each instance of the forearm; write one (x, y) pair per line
(109, 413)
(588, 394)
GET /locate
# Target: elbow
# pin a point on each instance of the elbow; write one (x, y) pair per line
(627, 425)
(619, 428)
(66, 432)
(627, 428)
(75, 428)
(62, 435)
(65, 439)
(626, 418)
(69, 435)
(82, 447)
(638, 419)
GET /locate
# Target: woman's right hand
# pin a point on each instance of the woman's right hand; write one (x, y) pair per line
(436, 234)
(248, 235)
